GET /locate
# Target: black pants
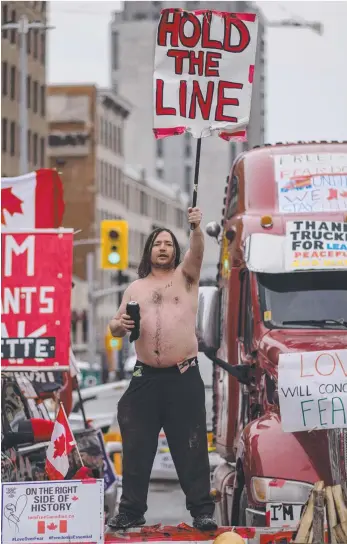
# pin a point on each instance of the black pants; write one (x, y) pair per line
(164, 398)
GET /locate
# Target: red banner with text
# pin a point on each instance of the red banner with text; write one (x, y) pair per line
(36, 281)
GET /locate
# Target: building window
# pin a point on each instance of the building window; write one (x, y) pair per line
(143, 203)
(36, 98)
(120, 141)
(43, 47)
(4, 19)
(35, 149)
(42, 152)
(187, 178)
(4, 134)
(13, 31)
(29, 92)
(115, 50)
(12, 138)
(4, 79)
(29, 42)
(13, 82)
(109, 135)
(160, 148)
(102, 128)
(43, 100)
(179, 219)
(29, 145)
(159, 173)
(187, 145)
(114, 139)
(36, 44)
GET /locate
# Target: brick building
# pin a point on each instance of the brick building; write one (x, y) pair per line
(10, 88)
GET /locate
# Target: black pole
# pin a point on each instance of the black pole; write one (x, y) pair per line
(196, 176)
(120, 352)
(81, 404)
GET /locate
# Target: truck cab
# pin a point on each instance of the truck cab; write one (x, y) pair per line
(272, 298)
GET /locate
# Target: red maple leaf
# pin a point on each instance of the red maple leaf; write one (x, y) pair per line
(74, 498)
(52, 526)
(59, 446)
(10, 202)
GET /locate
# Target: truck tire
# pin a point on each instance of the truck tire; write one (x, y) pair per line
(242, 508)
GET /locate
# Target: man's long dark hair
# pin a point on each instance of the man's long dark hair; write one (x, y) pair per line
(146, 264)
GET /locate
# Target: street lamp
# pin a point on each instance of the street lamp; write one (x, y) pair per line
(23, 26)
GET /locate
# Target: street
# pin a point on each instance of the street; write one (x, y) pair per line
(166, 504)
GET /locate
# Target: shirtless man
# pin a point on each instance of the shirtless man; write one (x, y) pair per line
(166, 390)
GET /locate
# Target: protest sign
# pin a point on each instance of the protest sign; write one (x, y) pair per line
(36, 282)
(109, 473)
(203, 73)
(320, 245)
(57, 512)
(311, 183)
(312, 388)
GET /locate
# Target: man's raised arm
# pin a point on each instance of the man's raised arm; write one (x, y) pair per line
(120, 325)
(192, 261)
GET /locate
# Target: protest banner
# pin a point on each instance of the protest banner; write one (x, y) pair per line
(57, 512)
(36, 270)
(311, 183)
(203, 75)
(109, 473)
(204, 68)
(320, 245)
(312, 389)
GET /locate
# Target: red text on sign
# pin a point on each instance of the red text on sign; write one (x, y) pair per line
(173, 25)
(189, 109)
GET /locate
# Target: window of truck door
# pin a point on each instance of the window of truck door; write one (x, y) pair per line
(245, 332)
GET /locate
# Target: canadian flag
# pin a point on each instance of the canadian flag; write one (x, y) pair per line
(61, 444)
(42, 526)
(32, 201)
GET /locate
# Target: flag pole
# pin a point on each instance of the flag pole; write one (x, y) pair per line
(196, 176)
(78, 451)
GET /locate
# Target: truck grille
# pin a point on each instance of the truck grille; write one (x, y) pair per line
(337, 439)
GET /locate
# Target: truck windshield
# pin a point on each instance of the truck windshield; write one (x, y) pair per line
(304, 299)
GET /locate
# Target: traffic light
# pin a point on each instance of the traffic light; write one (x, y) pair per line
(112, 343)
(114, 244)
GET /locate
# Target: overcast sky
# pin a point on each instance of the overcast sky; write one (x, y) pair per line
(306, 73)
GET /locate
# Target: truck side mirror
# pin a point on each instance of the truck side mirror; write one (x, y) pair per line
(213, 229)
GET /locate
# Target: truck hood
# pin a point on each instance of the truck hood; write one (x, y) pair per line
(278, 341)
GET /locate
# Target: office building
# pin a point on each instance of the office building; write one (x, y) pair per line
(10, 88)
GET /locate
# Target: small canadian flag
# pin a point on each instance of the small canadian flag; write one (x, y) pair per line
(61, 444)
(34, 200)
(43, 526)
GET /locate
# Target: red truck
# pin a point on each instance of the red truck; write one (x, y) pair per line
(259, 310)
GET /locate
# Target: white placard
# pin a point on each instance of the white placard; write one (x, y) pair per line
(312, 182)
(315, 245)
(204, 69)
(312, 388)
(58, 512)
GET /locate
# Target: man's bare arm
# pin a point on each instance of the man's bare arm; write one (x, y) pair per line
(192, 261)
(116, 327)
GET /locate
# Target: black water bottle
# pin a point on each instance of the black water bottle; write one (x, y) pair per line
(133, 311)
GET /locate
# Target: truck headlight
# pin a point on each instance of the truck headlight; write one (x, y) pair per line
(266, 490)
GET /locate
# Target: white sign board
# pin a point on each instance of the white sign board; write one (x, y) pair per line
(58, 512)
(203, 74)
(311, 183)
(312, 389)
(316, 245)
